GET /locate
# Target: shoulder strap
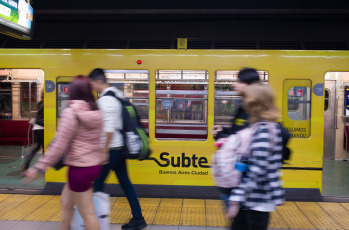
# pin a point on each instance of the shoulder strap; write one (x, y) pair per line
(111, 93)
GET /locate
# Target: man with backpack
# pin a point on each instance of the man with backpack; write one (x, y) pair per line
(113, 149)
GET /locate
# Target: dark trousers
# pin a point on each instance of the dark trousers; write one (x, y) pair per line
(251, 220)
(117, 162)
(39, 136)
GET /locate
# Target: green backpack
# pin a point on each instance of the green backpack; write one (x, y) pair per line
(135, 138)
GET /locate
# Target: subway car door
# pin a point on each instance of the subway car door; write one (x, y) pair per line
(330, 119)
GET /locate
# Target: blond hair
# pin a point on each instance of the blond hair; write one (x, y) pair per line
(258, 101)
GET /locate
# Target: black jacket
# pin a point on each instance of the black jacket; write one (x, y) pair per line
(239, 123)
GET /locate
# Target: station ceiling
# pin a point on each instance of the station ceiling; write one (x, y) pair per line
(212, 21)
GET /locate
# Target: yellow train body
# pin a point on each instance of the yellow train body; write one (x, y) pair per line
(304, 170)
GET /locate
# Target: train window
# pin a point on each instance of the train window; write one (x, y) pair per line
(181, 104)
(299, 103)
(5, 101)
(62, 96)
(135, 86)
(133, 83)
(226, 99)
(296, 107)
(28, 99)
(327, 99)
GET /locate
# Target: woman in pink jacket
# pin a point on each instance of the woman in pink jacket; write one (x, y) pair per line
(78, 139)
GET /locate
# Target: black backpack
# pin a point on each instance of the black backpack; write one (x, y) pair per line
(135, 138)
(286, 152)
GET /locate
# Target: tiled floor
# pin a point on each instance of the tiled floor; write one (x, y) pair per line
(28, 225)
(40, 211)
(31, 225)
(10, 173)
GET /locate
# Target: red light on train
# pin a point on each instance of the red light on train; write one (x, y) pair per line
(139, 62)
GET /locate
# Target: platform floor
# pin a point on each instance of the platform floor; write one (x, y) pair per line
(42, 211)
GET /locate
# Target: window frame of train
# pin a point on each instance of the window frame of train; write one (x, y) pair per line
(118, 79)
(226, 95)
(62, 93)
(31, 95)
(296, 112)
(181, 106)
(135, 86)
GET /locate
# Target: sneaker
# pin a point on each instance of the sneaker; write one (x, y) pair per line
(135, 224)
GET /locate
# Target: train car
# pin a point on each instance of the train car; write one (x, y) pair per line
(181, 94)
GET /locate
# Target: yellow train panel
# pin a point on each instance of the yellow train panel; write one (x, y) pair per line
(280, 65)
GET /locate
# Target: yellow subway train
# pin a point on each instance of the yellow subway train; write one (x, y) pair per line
(181, 94)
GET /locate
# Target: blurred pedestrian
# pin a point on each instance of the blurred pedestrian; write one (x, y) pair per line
(78, 140)
(246, 77)
(113, 146)
(38, 129)
(259, 191)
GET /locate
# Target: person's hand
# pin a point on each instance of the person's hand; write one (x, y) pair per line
(105, 156)
(216, 129)
(233, 209)
(30, 175)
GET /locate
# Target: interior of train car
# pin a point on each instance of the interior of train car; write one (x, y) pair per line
(336, 133)
(177, 107)
(20, 91)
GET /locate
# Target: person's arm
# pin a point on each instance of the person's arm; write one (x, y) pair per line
(105, 106)
(110, 109)
(222, 133)
(65, 134)
(105, 149)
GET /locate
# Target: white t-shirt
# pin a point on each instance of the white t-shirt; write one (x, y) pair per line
(112, 117)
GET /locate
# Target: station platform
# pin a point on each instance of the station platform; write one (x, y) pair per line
(18, 211)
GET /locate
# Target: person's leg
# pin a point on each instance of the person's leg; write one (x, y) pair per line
(31, 155)
(41, 139)
(67, 204)
(120, 169)
(80, 179)
(224, 195)
(98, 185)
(240, 222)
(84, 202)
(257, 220)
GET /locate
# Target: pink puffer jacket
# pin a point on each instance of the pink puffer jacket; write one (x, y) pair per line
(80, 129)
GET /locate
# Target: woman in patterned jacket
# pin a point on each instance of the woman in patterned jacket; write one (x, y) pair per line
(259, 191)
